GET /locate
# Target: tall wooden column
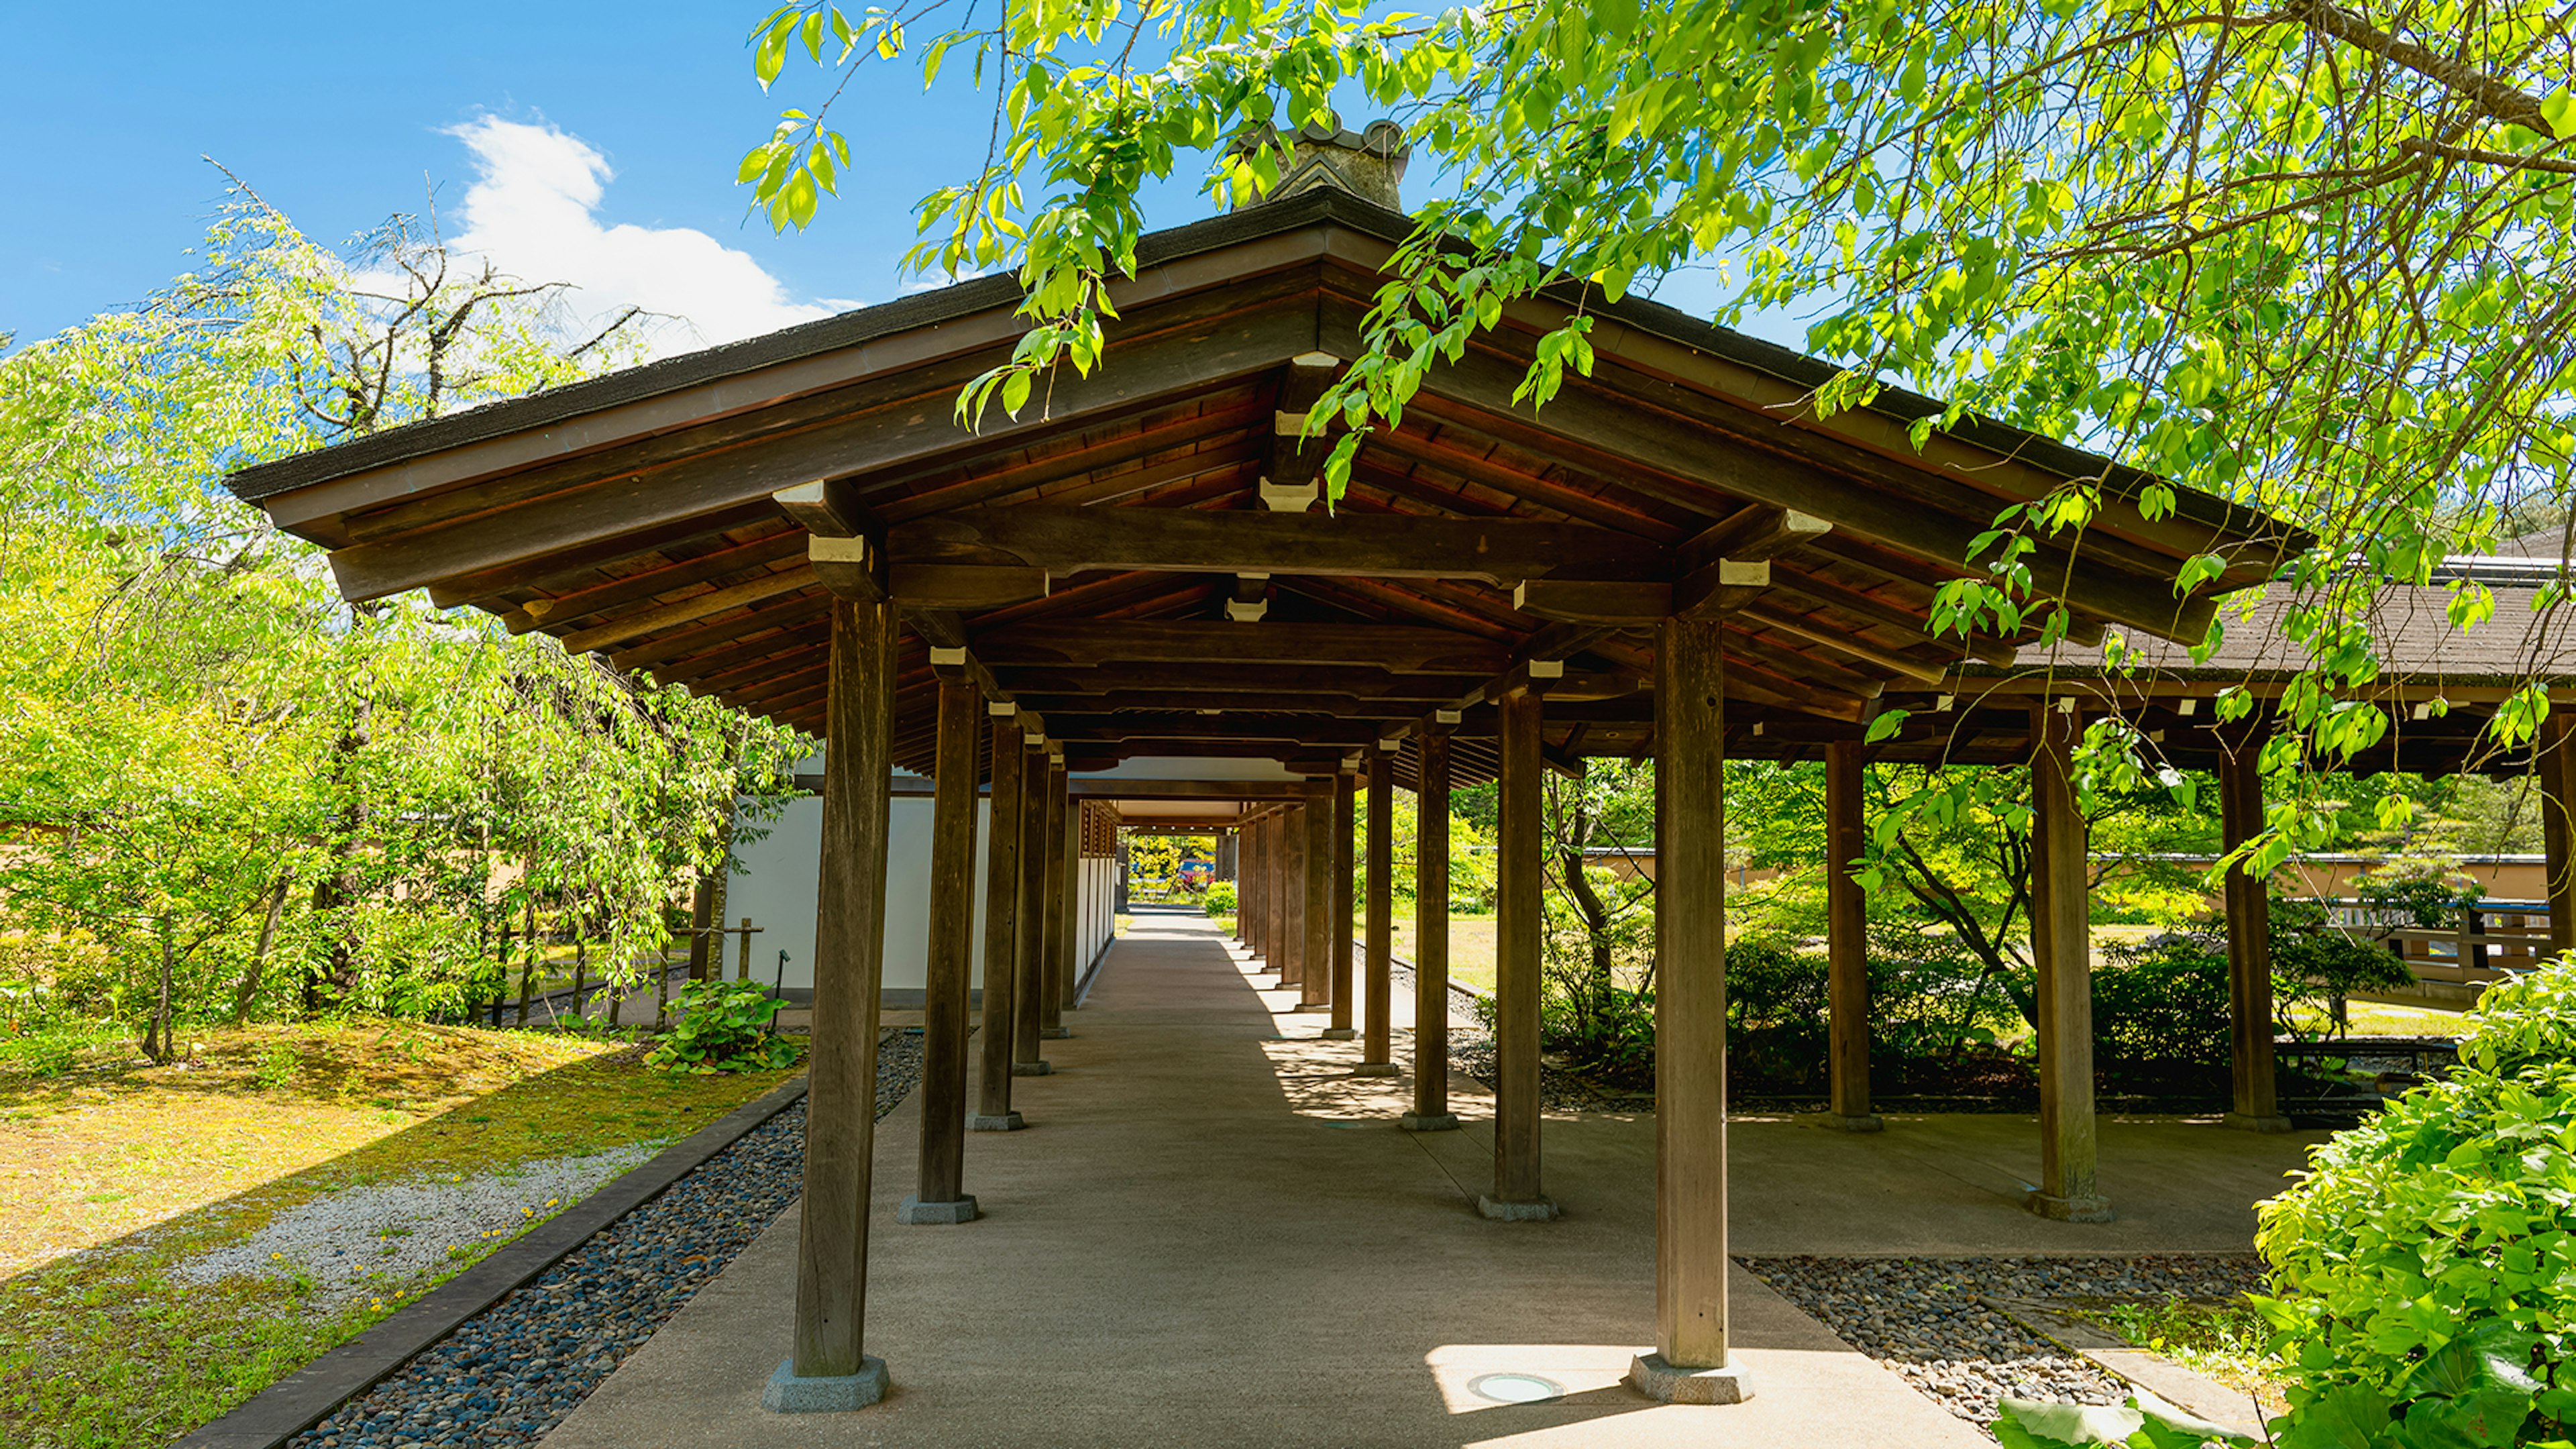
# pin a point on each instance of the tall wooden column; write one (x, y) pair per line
(1315, 908)
(1029, 1002)
(1377, 1054)
(1431, 942)
(1846, 941)
(1519, 875)
(1291, 877)
(1055, 946)
(1338, 908)
(1257, 893)
(2257, 1105)
(830, 1367)
(2555, 762)
(1068, 944)
(1247, 891)
(1001, 927)
(2062, 944)
(1691, 1362)
(942, 1197)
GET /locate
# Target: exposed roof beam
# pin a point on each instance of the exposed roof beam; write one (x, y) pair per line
(1210, 642)
(1062, 540)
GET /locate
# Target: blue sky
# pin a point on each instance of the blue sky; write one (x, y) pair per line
(587, 144)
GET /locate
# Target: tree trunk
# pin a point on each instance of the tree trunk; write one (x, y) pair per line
(337, 891)
(156, 1036)
(249, 994)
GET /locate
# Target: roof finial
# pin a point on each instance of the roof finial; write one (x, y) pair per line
(1368, 164)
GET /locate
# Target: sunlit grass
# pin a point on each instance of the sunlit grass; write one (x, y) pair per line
(114, 1172)
(2222, 1342)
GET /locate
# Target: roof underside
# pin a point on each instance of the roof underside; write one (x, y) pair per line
(634, 516)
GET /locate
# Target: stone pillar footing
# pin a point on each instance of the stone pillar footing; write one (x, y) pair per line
(2242, 1123)
(2070, 1209)
(1650, 1375)
(1443, 1122)
(1340, 1033)
(1842, 1123)
(1377, 1069)
(1314, 1006)
(1039, 1068)
(786, 1393)
(1542, 1210)
(1055, 1033)
(1007, 1122)
(914, 1210)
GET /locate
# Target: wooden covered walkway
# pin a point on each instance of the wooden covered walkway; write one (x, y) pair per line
(1676, 557)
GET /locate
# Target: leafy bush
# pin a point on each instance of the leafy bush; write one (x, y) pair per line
(2160, 1009)
(723, 1027)
(2426, 1260)
(1219, 899)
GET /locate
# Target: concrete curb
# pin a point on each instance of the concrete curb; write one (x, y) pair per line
(300, 1400)
(2139, 1367)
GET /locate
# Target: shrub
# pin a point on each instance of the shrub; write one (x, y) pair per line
(1219, 899)
(2426, 1260)
(723, 1027)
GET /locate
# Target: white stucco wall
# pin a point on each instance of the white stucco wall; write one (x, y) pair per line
(777, 878)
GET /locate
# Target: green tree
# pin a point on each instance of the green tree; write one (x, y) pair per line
(2315, 257)
(246, 794)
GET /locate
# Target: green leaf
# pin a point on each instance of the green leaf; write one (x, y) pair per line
(2034, 1425)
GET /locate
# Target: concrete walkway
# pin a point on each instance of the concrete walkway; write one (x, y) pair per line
(1212, 1234)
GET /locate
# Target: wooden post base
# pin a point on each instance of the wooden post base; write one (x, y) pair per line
(1841, 1123)
(1039, 1068)
(1650, 1375)
(788, 1393)
(1339, 1033)
(2242, 1123)
(1377, 1069)
(914, 1210)
(2069, 1209)
(1431, 1122)
(1001, 1122)
(1536, 1210)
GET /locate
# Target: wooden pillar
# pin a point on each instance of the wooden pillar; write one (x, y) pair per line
(1251, 865)
(1846, 941)
(1338, 908)
(1294, 858)
(849, 963)
(1067, 818)
(1691, 1362)
(1029, 1007)
(2062, 947)
(1055, 948)
(1377, 1055)
(1431, 943)
(1519, 874)
(1001, 919)
(942, 1196)
(2256, 1107)
(1315, 908)
(2555, 762)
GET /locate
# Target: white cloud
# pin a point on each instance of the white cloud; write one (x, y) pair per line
(534, 210)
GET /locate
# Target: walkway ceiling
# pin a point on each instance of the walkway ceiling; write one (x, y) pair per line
(1106, 560)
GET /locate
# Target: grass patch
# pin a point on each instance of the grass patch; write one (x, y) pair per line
(114, 1173)
(1471, 945)
(2219, 1341)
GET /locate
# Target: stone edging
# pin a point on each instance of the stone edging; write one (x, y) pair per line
(2140, 1367)
(297, 1402)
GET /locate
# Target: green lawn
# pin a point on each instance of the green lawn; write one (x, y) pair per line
(113, 1173)
(1471, 945)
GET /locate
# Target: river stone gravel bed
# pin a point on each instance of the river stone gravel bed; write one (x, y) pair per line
(1924, 1319)
(513, 1371)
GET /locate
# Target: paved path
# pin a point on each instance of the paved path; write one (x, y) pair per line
(1212, 1235)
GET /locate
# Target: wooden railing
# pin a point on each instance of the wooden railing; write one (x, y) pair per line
(2488, 942)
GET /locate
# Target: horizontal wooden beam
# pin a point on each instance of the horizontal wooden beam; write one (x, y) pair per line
(1380, 646)
(1064, 540)
(623, 627)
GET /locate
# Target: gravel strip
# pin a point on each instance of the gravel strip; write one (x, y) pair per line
(513, 1372)
(1559, 1090)
(1924, 1318)
(372, 1238)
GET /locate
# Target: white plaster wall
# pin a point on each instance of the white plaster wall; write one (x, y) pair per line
(776, 884)
(779, 875)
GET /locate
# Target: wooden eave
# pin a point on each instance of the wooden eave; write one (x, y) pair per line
(633, 514)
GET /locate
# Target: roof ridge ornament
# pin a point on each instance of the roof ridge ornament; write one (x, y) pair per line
(1368, 164)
